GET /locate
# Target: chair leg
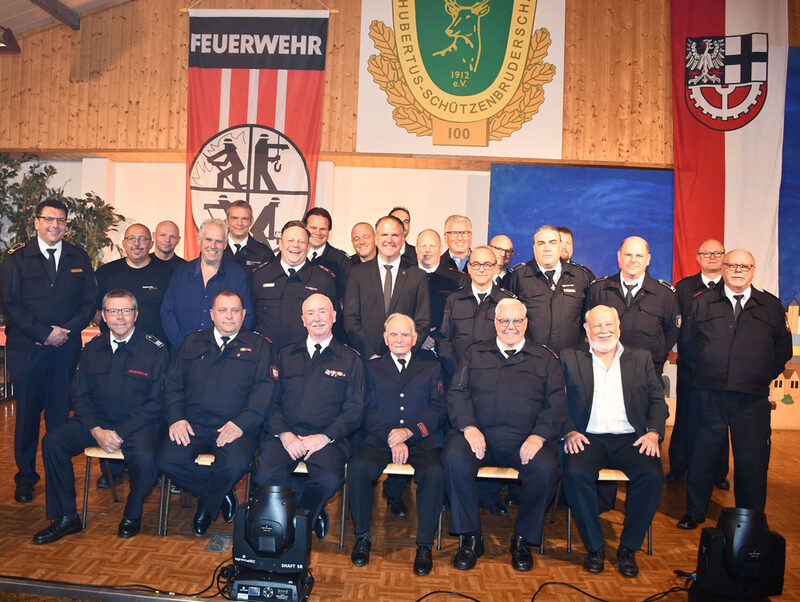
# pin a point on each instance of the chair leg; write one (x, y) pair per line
(344, 509)
(569, 530)
(439, 531)
(166, 492)
(86, 491)
(107, 464)
(247, 486)
(541, 544)
(162, 480)
(650, 540)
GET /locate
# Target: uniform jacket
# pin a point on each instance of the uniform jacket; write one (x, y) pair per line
(122, 391)
(410, 254)
(186, 305)
(441, 283)
(326, 396)
(742, 356)
(653, 319)
(339, 267)
(555, 318)
(32, 304)
(364, 312)
(642, 393)
(687, 289)
(250, 256)
(414, 400)
(508, 399)
(207, 387)
(279, 299)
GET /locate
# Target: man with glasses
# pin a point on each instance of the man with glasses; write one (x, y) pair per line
(48, 296)
(242, 247)
(709, 256)
(458, 238)
(503, 249)
(117, 397)
(167, 238)
(736, 341)
(507, 406)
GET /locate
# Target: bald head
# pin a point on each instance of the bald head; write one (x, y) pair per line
(429, 249)
(503, 249)
(633, 257)
(709, 256)
(167, 238)
(602, 329)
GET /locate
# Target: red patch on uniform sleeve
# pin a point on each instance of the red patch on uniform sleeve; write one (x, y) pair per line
(422, 429)
(274, 371)
(440, 388)
(139, 372)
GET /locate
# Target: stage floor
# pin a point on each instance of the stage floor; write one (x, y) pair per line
(183, 564)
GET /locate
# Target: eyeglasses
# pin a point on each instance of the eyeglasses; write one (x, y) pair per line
(459, 233)
(482, 266)
(508, 252)
(140, 239)
(52, 220)
(125, 311)
(504, 322)
(708, 254)
(738, 267)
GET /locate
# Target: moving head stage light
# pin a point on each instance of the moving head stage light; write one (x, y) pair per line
(739, 559)
(272, 548)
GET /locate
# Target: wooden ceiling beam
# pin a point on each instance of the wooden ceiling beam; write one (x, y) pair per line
(60, 11)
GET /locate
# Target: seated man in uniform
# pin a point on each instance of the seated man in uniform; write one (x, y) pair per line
(404, 416)
(318, 406)
(217, 391)
(506, 404)
(116, 394)
(616, 420)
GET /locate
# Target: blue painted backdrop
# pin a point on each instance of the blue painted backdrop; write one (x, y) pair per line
(789, 211)
(600, 205)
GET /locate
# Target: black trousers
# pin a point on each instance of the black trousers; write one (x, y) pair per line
(644, 487)
(274, 466)
(366, 468)
(538, 479)
(63, 443)
(209, 483)
(41, 378)
(711, 415)
(679, 441)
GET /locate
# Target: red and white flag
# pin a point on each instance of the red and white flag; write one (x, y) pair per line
(256, 80)
(728, 95)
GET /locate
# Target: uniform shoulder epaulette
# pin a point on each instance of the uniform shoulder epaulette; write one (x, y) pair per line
(263, 336)
(517, 267)
(456, 270)
(336, 250)
(580, 266)
(97, 336)
(16, 247)
(667, 284)
(351, 349)
(555, 355)
(600, 279)
(154, 340)
(507, 293)
(330, 271)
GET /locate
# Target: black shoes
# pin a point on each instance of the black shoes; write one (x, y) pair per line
(128, 527)
(689, 522)
(397, 506)
(322, 524)
(229, 505)
(470, 549)
(626, 562)
(674, 476)
(498, 509)
(512, 499)
(23, 493)
(61, 526)
(423, 561)
(201, 521)
(521, 557)
(595, 561)
(723, 484)
(361, 548)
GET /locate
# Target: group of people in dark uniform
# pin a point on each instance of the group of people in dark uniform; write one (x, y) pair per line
(445, 359)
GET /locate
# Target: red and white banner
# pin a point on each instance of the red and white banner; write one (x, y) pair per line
(728, 95)
(256, 81)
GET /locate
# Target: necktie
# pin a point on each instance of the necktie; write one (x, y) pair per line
(120, 345)
(387, 288)
(313, 256)
(737, 309)
(550, 274)
(224, 343)
(481, 297)
(711, 284)
(317, 352)
(238, 248)
(402, 362)
(51, 263)
(292, 272)
(629, 294)
(510, 352)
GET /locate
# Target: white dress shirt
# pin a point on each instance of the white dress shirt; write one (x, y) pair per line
(608, 415)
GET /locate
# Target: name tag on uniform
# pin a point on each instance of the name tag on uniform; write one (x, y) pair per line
(312, 288)
(568, 288)
(149, 287)
(251, 262)
(268, 285)
(335, 373)
(77, 270)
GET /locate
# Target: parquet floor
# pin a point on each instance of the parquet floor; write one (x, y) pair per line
(180, 562)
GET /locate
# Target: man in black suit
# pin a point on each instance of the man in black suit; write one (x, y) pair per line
(616, 420)
(381, 287)
(736, 342)
(408, 252)
(404, 416)
(458, 238)
(242, 247)
(709, 256)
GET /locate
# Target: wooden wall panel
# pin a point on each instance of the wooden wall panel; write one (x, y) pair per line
(117, 87)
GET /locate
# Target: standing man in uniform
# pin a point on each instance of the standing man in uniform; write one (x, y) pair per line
(217, 392)
(363, 238)
(503, 248)
(442, 280)
(48, 296)
(507, 405)
(195, 284)
(242, 247)
(117, 396)
(554, 292)
(736, 342)
(458, 238)
(648, 308)
(404, 416)
(281, 287)
(318, 407)
(319, 223)
(167, 238)
(709, 256)
(408, 252)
